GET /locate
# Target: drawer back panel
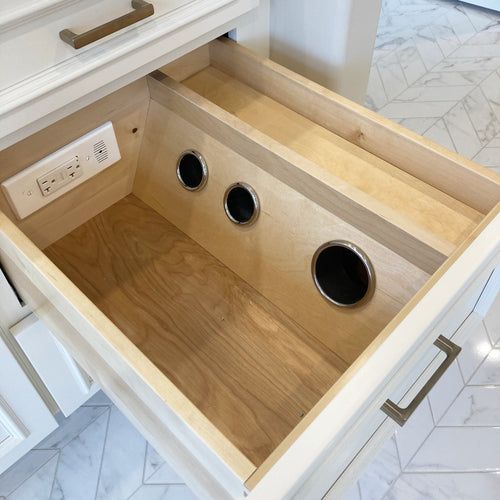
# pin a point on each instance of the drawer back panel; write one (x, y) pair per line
(274, 254)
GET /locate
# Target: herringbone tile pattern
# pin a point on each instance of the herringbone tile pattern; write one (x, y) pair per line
(436, 70)
(95, 454)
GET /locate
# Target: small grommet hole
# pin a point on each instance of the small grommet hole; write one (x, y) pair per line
(241, 203)
(343, 274)
(192, 170)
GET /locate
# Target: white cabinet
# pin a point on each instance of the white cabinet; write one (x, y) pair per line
(24, 418)
(50, 75)
(67, 383)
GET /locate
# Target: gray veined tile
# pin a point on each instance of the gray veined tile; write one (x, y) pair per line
(482, 116)
(461, 64)
(479, 18)
(491, 90)
(445, 36)
(123, 459)
(79, 463)
(474, 351)
(445, 391)
(378, 477)
(427, 94)
(448, 486)
(439, 133)
(428, 48)
(410, 437)
(490, 50)
(418, 125)
(475, 406)
(392, 76)
(485, 38)
(99, 399)
(411, 62)
(157, 471)
(492, 321)
(71, 427)
(460, 24)
(416, 109)
(495, 143)
(462, 131)
(457, 449)
(452, 78)
(39, 485)
(488, 157)
(489, 371)
(376, 97)
(352, 493)
(163, 492)
(15, 475)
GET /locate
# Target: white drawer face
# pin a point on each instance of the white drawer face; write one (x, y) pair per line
(42, 74)
(38, 39)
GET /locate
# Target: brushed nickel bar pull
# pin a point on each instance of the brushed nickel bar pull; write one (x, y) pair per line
(401, 415)
(141, 10)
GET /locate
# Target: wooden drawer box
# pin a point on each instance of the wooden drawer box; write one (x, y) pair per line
(263, 268)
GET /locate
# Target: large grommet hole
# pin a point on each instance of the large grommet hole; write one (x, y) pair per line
(192, 170)
(343, 274)
(241, 203)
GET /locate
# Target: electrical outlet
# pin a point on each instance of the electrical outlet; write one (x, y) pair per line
(60, 176)
(63, 170)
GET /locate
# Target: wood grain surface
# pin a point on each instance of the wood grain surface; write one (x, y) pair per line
(424, 159)
(249, 368)
(274, 254)
(424, 205)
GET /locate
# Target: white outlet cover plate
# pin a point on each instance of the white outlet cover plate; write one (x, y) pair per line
(23, 191)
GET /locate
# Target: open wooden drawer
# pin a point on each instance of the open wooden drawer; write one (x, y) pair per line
(264, 267)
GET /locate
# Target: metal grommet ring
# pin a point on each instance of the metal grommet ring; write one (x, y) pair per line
(241, 204)
(192, 170)
(343, 273)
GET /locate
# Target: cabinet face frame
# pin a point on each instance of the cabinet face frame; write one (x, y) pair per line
(24, 418)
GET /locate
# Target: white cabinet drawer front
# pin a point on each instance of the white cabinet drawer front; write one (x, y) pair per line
(41, 48)
(461, 321)
(39, 62)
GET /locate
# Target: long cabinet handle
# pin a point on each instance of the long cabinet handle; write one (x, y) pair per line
(141, 10)
(401, 415)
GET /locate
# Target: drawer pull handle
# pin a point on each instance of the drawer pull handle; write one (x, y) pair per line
(141, 10)
(401, 415)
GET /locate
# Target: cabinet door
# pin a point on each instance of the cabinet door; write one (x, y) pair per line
(24, 418)
(67, 383)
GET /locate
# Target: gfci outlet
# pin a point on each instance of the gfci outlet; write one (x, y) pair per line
(63, 170)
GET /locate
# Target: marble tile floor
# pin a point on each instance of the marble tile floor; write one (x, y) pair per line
(95, 454)
(436, 70)
(449, 449)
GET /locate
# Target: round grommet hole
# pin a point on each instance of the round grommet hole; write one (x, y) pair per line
(241, 203)
(343, 273)
(192, 170)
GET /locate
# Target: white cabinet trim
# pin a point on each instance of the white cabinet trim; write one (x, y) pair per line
(37, 8)
(121, 58)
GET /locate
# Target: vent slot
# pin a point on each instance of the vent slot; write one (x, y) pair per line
(100, 151)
